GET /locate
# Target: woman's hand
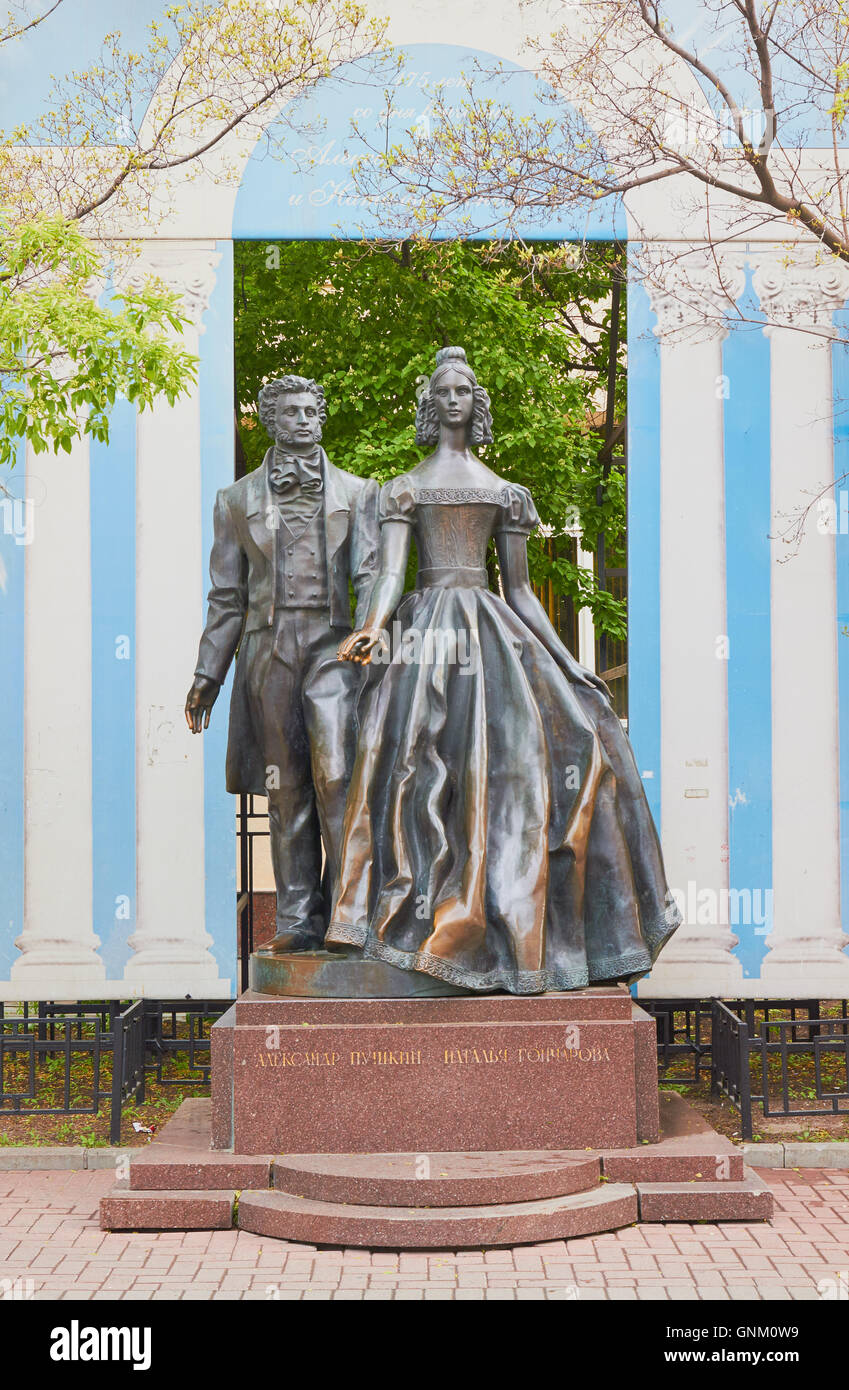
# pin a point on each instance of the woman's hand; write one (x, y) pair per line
(360, 645)
(512, 550)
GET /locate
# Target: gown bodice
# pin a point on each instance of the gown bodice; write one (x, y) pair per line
(453, 526)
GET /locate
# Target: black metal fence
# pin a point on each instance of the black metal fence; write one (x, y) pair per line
(730, 1072)
(742, 1046)
(747, 1051)
(123, 1047)
(128, 1064)
(251, 825)
(37, 1051)
(683, 1033)
(163, 1040)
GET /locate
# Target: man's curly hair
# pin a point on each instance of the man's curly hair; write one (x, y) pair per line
(427, 423)
(287, 386)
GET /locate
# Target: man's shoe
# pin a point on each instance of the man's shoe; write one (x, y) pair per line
(294, 939)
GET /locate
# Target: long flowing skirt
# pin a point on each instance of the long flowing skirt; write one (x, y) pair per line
(497, 834)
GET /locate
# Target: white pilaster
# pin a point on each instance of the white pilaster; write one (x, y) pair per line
(799, 289)
(690, 296)
(170, 944)
(586, 626)
(58, 948)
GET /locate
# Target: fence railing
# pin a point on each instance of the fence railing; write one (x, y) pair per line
(730, 1072)
(82, 1058)
(748, 1053)
(251, 825)
(683, 1034)
(826, 1040)
(164, 1042)
(77, 1059)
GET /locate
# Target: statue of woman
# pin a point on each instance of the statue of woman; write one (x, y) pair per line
(497, 835)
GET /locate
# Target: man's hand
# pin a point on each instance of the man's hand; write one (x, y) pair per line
(199, 702)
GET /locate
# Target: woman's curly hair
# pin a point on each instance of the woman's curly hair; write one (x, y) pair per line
(288, 386)
(427, 422)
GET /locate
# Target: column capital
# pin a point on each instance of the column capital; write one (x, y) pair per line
(691, 289)
(799, 285)
(186, 267)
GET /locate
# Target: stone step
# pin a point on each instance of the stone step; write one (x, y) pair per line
(749, 1200)
(125, 1210)
(688, 1150)
(160, 1168)
(435, 1179)
(181, 1157)
(286, 1217)
(436, 1199)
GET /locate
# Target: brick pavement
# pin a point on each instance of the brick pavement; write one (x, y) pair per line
(49, 1235)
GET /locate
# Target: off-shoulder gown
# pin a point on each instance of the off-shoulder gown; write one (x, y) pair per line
(497, 834)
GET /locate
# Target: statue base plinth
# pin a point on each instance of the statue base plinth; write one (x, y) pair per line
(342, 974)
(496, 1071)
(434, 1123)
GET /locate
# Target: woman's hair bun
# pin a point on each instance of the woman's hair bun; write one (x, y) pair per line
(450, 354)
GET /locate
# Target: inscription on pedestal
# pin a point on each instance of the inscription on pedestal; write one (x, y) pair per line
(275, 1056)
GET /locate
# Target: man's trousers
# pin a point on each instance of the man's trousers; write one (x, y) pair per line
(302, 704)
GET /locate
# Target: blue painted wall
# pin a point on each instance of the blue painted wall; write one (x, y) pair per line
(746, 408)
(217, 437)
(298, 183)
(644, 538)
(71, 39)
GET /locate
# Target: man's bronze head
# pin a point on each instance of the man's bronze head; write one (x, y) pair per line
(293, 410)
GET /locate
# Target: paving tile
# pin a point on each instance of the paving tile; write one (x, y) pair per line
(49, 1232)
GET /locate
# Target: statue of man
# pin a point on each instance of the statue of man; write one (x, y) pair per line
(288, 537)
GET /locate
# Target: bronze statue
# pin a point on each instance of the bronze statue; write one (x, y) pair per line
(497, 834)
(288, 538)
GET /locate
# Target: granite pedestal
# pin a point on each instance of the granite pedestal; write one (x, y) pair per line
(480, 1073)
(429, 1123)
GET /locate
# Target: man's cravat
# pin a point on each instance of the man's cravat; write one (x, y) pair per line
(297, 485)
(289, 473)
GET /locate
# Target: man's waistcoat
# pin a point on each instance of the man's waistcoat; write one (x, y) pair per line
(302, 564)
